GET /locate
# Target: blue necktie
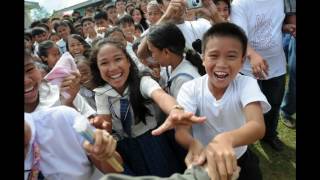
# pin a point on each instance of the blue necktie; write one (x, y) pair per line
(125, 116)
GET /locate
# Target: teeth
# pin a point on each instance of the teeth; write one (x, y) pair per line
(116, 76)
(28, 90)
(221, 73)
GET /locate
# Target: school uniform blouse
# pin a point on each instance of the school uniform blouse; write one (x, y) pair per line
(184, 72)
(49, 96)
(108, 102)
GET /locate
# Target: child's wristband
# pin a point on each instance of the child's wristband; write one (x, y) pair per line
(178, 107)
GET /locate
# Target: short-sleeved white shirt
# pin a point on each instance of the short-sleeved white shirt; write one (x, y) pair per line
(225, 114)
(262, 22)
(178, 78)
(61, 153)
(193, 30)
(108, 102)
(49, 96)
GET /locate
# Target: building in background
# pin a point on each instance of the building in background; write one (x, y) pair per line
(28, 6)
(81, 7)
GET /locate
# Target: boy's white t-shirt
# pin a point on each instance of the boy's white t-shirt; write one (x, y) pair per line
(108, 102)
(193, 30)
(225, 114)
(262, 22)
(61, 153)
(49, 96)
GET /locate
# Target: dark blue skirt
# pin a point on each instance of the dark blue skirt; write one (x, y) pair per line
(151, 155)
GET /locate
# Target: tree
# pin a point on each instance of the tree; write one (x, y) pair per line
(40, 13)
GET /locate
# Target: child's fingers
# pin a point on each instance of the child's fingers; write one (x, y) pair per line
(230, 159)
(98, 141)
(87, 147)
(167, 125)
(221, 167)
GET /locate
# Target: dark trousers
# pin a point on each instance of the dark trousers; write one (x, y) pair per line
(249, 163)
(273, 89)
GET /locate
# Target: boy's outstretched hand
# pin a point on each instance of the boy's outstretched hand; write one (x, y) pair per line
(178, 117)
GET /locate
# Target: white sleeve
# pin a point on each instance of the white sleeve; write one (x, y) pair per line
(147, 86)
(102, 103)
(204, 26)
(187, 97)
(177, 83)
(251, 93)
(82, 106)
(238, 15)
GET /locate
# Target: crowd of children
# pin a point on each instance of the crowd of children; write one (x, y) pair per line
(171, 92)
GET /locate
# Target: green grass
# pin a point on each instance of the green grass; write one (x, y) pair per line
(278, 165)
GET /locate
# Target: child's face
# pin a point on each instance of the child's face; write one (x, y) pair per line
(85, 72)
(41, 37)
(112, 14)
(143, 7)
(63, 32)
(53, 56)
(137, 32)
(114, 66)
(32, 80)
(88, 26)
(223, 59)
(223, 10)
(121, 6)
(136, 16)
(119, 37)
(153, 14)
(75, 47)
(102, 23)
(55, 38)
(128, 29)
(157, 54)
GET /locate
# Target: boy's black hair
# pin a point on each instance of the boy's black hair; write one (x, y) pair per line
(37, 31)
(160, 2)
(86, 18)
(34, 23)
(169, 36)
(125, 2)
(75, 12)
(125, 19)
(44, 20)
(226, 29)
(44, 26)
(137, 101)
(101, 15)
(43, 49)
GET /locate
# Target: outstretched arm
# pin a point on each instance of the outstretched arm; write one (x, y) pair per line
(177, 116)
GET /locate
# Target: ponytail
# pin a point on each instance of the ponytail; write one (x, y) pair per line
(194, 58)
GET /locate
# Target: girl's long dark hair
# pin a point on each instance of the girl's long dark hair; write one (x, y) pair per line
(138, 103)
(143, 21)
(169, 36)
